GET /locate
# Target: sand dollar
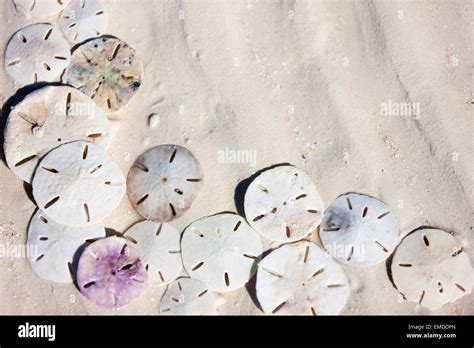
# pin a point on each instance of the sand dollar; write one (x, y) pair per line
(36, 53)
(82, 20)
(78, 184)
(107, 70)
(54, 247)
(47, 118)
(187, 296)
(40, 8)
(220, 250)
(110, 272)
(282, 204)
(163, 182)
(301, 279)
(359, 230)
(431, 268)
(159, 248)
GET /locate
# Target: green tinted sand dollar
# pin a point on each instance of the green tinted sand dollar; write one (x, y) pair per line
(55, 247)
(82, 20)
(221, 250)
(78, 184)
(47, 118)
(187, 296)
(282, 204)
(106, 69)
(359, 230)
(163, 182)
(430, 267)
(37, 53)
(40, 8)
(159, 248)
(301, 279)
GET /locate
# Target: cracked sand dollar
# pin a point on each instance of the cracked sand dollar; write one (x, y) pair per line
(282, 204)
(40, 8)
(359, 230)
(221, 251)
(36, 53)
(47, 118)
(110, 272)
(78, 184)
(107, 70)
(82, 20)
(159, 249)
(163, 182)
(187, 296)
(301, 279)
(55, 247)
(431, 268)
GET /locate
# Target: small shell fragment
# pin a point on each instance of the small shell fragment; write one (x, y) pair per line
(153, 120)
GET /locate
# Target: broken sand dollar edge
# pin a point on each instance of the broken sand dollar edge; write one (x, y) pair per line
(431, 268)
(300, 278)
(106, 69)
(282, 204)
(187, 296)
(359, 230)
(78, 184)
(55, 246)
(163, 182)
(159, 246)
(110, 272)
(36, 53)
(221, 250)
(49, 117)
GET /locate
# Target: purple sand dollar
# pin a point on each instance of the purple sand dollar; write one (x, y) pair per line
(110, 272)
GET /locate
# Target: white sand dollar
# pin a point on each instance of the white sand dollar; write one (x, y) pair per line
(55, 247)
(159, 250)
(82, 20)
(78, 184)
(359, 230)
(283, 204)
(40, 8)
(163, 182)
(106, 69)
(301, 279)
(47, 118)
(37, 53)
(431, 268)
(220, 250)
(187, 296)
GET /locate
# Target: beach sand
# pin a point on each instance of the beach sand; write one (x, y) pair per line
(313, 83)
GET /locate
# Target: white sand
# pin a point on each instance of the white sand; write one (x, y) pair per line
(248, 75)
